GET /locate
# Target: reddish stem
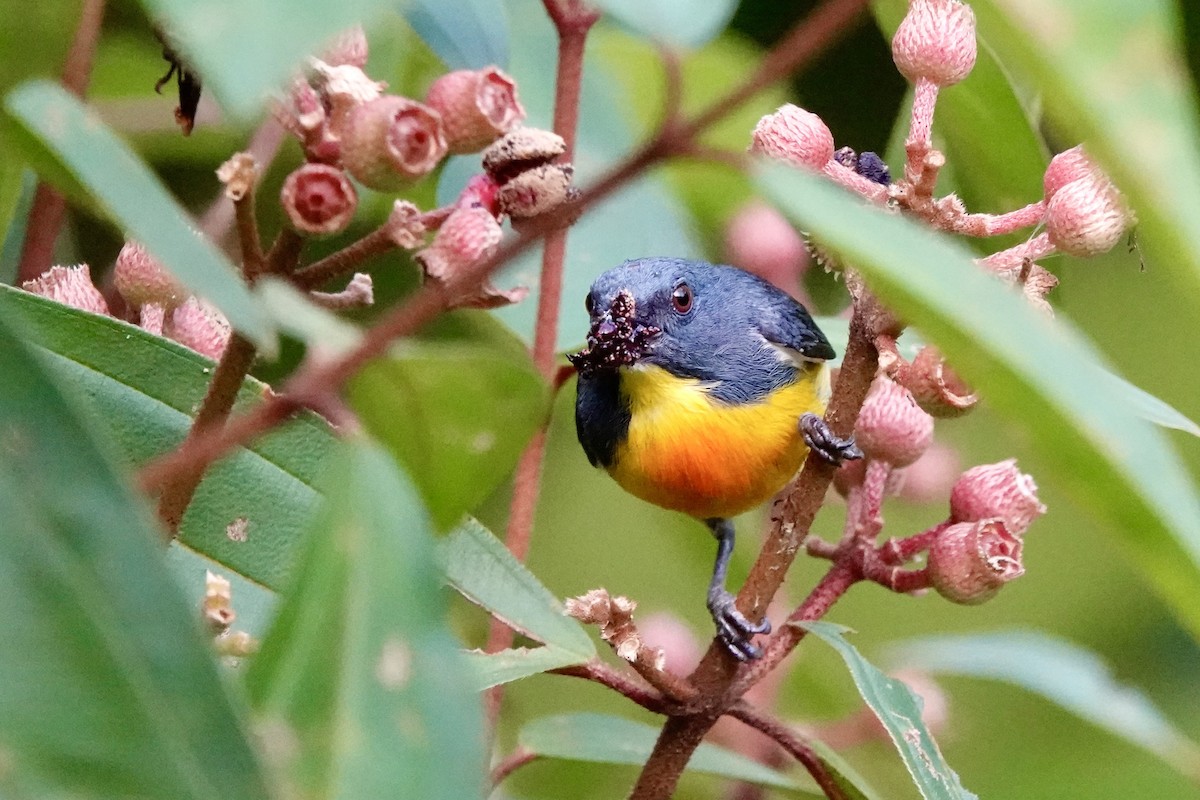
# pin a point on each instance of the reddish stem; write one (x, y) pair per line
(517, 759)
(791, 741)
(49, 207)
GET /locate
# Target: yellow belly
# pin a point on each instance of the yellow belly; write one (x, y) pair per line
(690, 452)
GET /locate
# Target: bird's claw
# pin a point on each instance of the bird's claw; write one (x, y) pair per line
(733, 629)
(825, 443)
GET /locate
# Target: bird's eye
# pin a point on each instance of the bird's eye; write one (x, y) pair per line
(681, 298)
(588, 303)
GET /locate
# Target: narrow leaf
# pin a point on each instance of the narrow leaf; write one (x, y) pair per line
(1114, 76)
(243, 49)
(465, 34)
(479, 566)
(360, 676)
(604, 739)
(506, 666)
(899, 709)
(456, 416)
(682, 23)
(1037, 371)
(846, 777)
(251, 507)
(106, 685)
(135, 200)
(1068, 675)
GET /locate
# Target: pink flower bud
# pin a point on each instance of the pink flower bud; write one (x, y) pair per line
(197, 325)
(996, 491)
(151, 318)
(970, 561)
(468, 236)
(141, 279)
(935, 41)
(343, 90)
(392, 141)
(1066, 167)
(536, 191)
(760, 240)
(794, 136)
(935, 386)
(476, 107)
(481, 191)
(519, 150)
(319, 199)
(348, 48)
(1086, 217)
(71, 286)
(892, 427)
(931, 476)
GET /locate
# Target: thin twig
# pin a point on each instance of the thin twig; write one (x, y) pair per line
(791, 741)
(49, 206)
(598, 672)
(513, 762)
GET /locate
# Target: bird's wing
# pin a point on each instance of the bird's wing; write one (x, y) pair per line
(786, 323)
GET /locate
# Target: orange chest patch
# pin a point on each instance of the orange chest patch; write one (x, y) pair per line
(690, 452)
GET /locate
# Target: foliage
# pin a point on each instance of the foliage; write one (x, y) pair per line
(367, 681)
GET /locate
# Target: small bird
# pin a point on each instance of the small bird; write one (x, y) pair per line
(700, 390)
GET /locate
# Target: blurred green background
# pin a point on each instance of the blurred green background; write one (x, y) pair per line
(1079, 583)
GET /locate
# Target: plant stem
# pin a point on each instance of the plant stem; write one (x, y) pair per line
(572, 22)
(49, 207)
(792, 517)
(791, 741)
(517, 759)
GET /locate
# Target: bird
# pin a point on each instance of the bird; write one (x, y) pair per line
(701, 389)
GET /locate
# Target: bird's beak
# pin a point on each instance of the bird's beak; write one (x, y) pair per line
(616, 339)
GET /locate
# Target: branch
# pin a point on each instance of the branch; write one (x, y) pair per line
(791, 741)
(517, 759)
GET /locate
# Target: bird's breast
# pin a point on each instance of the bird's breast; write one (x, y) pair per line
(689, 451)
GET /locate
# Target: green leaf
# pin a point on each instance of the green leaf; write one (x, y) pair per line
(506, 666)
(1037, 371)
(456, 416)
(899, 709)
(17, 185)
(465, 34)
(106, 686)
(136, 201)
(853, 785)
(479, 566)
(604, 739)
(680, 23)
(985, 129)
(145, 389)
(1113, 75)
(243, 49)
(1074, 678)
(360, 681)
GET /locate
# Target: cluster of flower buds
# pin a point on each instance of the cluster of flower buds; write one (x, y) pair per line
(163, 307)
(979, 549)
(934, 384)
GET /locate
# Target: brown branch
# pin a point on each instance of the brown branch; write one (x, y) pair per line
(573, 21)
(792, 517)
(637, 691)
(49, 207)
(515, 760)
(793, 742)
(346, 260)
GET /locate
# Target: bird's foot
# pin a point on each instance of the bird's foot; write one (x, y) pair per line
(825, 443)
(733, 629)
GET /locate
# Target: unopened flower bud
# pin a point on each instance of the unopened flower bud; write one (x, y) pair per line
(519, 150)
(142, 280)
(935, 41)
(891, 426)
(481, 191)
(760, 240)
(319, 199)
(476, 107)
(935, 386)
(1067, 167)
(996, 491)
(931, 476)
(1086, 217)
(468, 236)
(197, 325)
(392, 141)
(344, 89)
(536, 191)
(794, 136)
(151, 318)
(71, 286)
(970, 561)
(349, 48)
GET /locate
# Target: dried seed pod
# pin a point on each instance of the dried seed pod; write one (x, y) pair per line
(519, 150)
(970, 561)
(536, 191)
(996, 491)
(319, 199)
